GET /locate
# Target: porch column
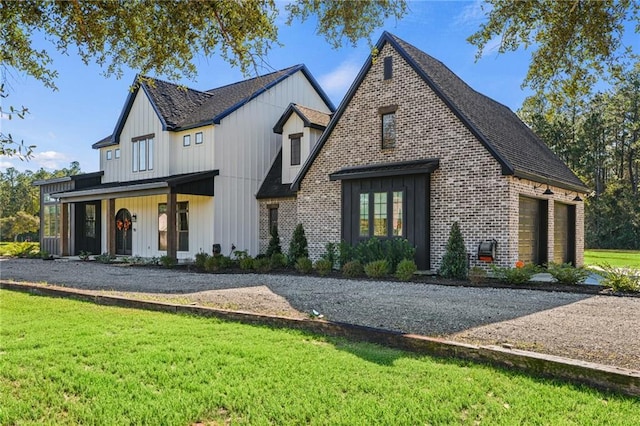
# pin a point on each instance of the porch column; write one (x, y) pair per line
(172, 234)
(64, 229)
(111, 226)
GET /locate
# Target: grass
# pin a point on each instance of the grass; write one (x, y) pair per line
(616, 258)
(69, 362)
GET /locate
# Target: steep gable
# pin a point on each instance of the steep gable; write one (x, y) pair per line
(516, 148)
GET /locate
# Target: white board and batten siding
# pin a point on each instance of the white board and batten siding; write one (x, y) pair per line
(295, 125)
(144, 241)
(142, 120)
(245, 148)
(194, 157)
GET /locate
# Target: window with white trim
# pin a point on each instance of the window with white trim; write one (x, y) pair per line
(142, 150)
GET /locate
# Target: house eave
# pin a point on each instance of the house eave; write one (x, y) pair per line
(582, 189)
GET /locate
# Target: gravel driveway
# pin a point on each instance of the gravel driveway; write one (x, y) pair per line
(604, 329)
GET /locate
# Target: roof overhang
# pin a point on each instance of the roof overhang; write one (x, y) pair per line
(200, 183)
(583, 189)
(401, 168)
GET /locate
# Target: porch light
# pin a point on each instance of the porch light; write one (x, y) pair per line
(548, 191)
(134, 218)
(577, 198)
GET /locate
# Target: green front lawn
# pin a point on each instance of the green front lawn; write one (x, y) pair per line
(69, 362)
(616, 258)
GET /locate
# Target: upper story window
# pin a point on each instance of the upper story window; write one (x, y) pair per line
(116, 153)
(186, 140)
(199, 138)
(295, 148)
(142, 149)
(388, 68)
(109, 154)
(388, 116)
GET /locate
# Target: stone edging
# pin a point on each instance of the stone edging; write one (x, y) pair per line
(596, 375)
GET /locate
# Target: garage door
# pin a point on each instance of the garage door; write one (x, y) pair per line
(564, 233)
(532, 230)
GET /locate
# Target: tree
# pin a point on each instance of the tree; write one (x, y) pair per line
(298, 247)
(454, 262)
(274, 243)
(574, 43)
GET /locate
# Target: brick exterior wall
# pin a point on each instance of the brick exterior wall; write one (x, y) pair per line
(287, 221)
(468, 187)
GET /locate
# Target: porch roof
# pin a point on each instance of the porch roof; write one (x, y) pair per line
(387, 169)
(199, 183)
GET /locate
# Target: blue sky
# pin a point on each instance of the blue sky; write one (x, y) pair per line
(64, 124)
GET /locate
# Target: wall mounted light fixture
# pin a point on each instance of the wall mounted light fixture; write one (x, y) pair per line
(548, 191)
(134, 217)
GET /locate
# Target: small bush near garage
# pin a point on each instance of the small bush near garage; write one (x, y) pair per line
(565, 273)
(298, 247)
(406, 269)
(619, 279)
(353, 269)
(454, 262)
(518, 275)
(377, 269)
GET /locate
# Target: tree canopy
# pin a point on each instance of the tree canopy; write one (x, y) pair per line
(573, 43)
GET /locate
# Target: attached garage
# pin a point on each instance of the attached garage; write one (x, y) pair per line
(564, 235)
(532, 230)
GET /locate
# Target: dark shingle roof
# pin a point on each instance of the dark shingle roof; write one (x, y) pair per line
(519, 151)
(181, 108)
(272, 186)
(311, 117)
(514, 144)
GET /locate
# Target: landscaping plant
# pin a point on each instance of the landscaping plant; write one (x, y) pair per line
(519, 275)
(377, 268)
(565, 273)
(201, 260)
(330, 254)
(477, 275)
(454, 262)
(298, 247)
(277, 261)
(353, 269)
(304, 265)
(406, 269)
(262, 264)
(323, 267)
(620, 279)
(274, 242)
(168, 261)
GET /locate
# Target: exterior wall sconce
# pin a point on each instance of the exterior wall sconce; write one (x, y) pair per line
(548, 191)
(577, 198)
(134, 218)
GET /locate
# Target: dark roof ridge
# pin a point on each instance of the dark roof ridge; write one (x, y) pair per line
(140, 76)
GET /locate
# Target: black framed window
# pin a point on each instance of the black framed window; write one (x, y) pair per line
(117, 153)
(186, 140)
(182, 225)
(273, 217)
(109, 154)
(295, 148)
(389, 130)
(142, 153)
(199, 138)
(388, 68)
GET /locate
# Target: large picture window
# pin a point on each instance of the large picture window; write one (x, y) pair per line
(182, 226)
(386, 208)
(51, 220)
(142, 153)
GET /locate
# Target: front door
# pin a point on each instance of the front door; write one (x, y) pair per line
(123, 232)
(87, 227)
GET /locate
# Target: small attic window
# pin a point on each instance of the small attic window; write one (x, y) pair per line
(295, 148)
(388, 68)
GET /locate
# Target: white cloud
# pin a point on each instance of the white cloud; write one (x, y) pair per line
(472, 15)
(6, 164)
(50, 159)
(337, 82)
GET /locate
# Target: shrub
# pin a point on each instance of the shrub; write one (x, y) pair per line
(304, 265)
(377, 268)
(299, 246)
(262, 264)
(104, 258)
(201, 260)
(212, 263)
(477, 275)
(274, 242)
(17, 249)
(45, 255)
(565, 273)
(323, 267)
(517, 275)
(619, 279)
(346, 253)
(246, 263)
(369, 250)
(84, 255)
(396, 250)
(454, 262)
(352, 269)
(168, 261)
(406, 269)
(330, 254)
(277, 261)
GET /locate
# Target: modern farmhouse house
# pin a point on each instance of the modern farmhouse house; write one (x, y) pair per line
(198, 157)
(412, 149)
